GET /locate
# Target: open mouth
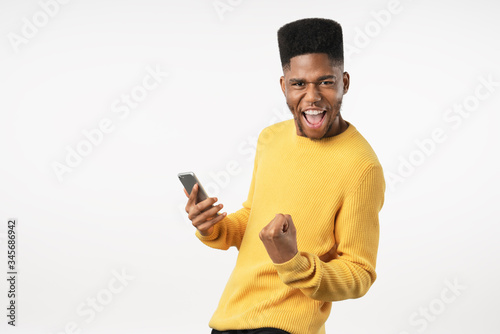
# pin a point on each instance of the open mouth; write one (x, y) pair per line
(314, 120)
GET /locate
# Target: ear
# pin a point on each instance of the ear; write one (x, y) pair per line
(282, 83)
(347, 81)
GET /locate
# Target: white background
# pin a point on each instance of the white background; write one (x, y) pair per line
(121, 208)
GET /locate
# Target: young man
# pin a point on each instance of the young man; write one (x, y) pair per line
(308, 233)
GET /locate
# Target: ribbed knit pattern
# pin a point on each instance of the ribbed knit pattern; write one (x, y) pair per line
(334, 190)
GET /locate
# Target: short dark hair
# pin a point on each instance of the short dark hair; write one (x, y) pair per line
(312, 35)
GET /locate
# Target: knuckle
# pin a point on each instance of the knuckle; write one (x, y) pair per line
(206, 216)
(198, 207)
(191, 215)
(215, 209)
(203, 216)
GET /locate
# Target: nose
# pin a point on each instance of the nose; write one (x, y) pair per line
(312, 93)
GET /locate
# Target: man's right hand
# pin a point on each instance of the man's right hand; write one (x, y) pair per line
(203, 215)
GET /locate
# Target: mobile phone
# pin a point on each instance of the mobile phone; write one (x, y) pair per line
(188, 180)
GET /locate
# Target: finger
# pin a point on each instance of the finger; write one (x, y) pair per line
(192, 196)
(209, 223)
(290, 224)
(191, 199)
(207, 203)
(198, 217)
(201, 207)
(284, 226)
(202, 217)
(281, 224)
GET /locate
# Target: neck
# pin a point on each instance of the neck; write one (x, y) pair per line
(342, 125)
(338, 127)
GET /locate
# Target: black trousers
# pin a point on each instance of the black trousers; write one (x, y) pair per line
(266, 330)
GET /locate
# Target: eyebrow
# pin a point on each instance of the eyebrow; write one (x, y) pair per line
(324, 77)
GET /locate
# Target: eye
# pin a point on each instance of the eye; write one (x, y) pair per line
(298, 84)
(327, 83)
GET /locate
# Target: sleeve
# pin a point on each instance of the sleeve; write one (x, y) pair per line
(229, 231)
(352, 273)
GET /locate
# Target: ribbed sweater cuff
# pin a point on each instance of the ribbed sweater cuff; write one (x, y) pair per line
(288, 271)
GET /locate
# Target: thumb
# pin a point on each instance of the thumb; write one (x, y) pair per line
(285, 226)
(289, 221)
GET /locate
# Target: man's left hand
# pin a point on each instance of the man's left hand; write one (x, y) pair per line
(280, 238)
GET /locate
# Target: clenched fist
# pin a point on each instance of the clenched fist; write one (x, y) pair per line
(280, 238)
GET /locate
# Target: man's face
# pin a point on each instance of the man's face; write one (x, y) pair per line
(313, 89)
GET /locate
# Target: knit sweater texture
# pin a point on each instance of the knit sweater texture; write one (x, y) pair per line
(334, 190)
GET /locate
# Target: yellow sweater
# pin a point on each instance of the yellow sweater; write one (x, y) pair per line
(334, 190)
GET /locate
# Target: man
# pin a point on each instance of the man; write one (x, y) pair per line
(308, 232)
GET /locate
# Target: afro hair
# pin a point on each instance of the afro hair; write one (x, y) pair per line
(312, 35)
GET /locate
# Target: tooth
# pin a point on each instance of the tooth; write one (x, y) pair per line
(313, 112)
